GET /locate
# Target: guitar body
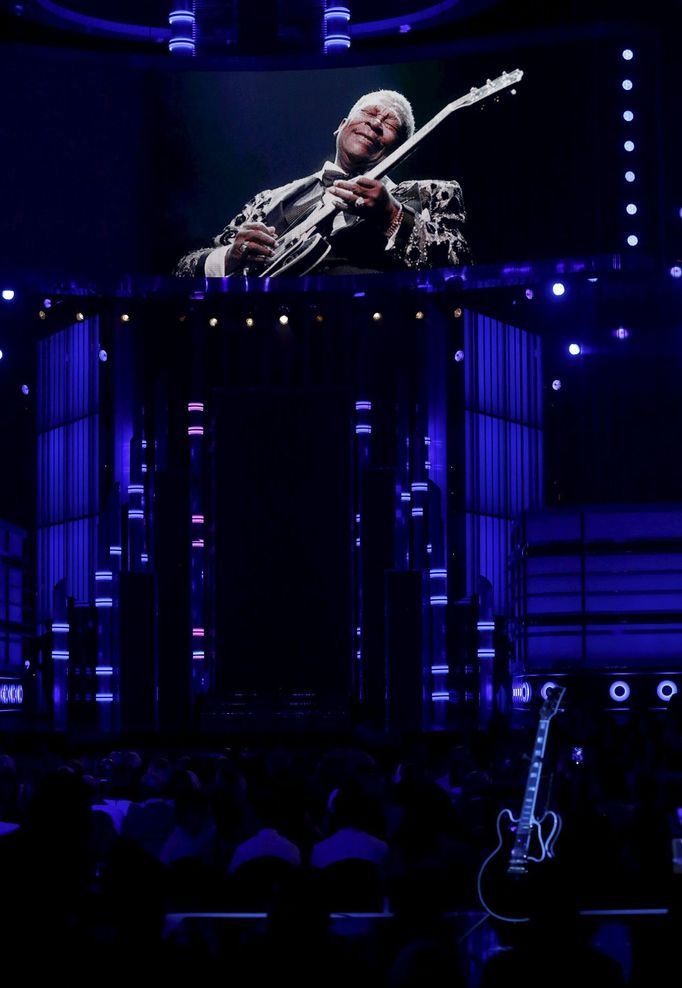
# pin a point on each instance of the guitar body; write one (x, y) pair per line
(508, 879)
(298, 257)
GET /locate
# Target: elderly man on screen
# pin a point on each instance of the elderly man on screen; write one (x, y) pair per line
(379, 226)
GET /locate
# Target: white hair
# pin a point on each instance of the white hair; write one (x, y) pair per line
(393, 101)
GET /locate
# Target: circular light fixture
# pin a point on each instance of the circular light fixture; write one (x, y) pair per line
(631, 208)
(628, 54)
(103, 356)
(627, 85)
(8, 294)
(250, 321)
(628, 116)
(630, 176)
(377, 317)
(284, 319)
(676, 271)
(619, 691)
(621, 333)
(666, 689)
(546, 687)
(558, 289)
(213, 321)
(556, 385)
(633, 240)
(575, 349)
(629, 146)
(125, 317)
(25, 389)
(459, 356)
(419, 315)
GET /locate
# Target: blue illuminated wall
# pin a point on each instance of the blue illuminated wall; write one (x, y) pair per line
(13, 617)
(68, 455)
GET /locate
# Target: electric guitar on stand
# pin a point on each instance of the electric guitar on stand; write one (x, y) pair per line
(302, 247)
(525, 840)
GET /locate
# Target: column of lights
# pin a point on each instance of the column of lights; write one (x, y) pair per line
(438, 600)
(195, 430)
(336, 26)
(363, 432)
(182, 20)
(629, 149)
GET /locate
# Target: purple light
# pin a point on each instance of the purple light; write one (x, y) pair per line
(666, 689)
(25, 389)
(558, 289)
(676, 271)
(195, 430)
(363, 406)
(197, 632)
(405, 28)
(195, 406)
(459, 356)
(530, 293)
(621, 333)
(361, 429)
(619, 691)
(574, 349)
(197, 519)
(197, 543)
(556, 385)
(103, 356)
(8, 294)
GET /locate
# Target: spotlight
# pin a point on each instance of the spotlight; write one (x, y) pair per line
(631, 209)
(556, 385)
(629, 146)
(558, 289)
(575, 349)
(249, 321)
(8, 294)
(213, 321)
(284, 319)
(377, 317)
(621, 333)
(530, 294)
(627, 85)
(546, 687)
(125, 317)
(628, 116)
(676, 271)
(47, 303)
(80, 317)
(628, 54)
(459, 356)
(630, 176)
(619, 691)
(42, 314)
(457, 313)
(419, 315)
(666, 689)
(1, 354)
(103, 356)
(25, 389)
(633, 240)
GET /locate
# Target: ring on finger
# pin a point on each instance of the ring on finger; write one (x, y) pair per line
(244, 247)
(359, 201)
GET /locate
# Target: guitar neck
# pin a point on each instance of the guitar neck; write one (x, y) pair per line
(530, 796)
(382, 168)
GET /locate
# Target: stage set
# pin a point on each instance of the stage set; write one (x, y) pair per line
(441, 501)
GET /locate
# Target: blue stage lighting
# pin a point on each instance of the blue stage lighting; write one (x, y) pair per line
(558, 289)
(24, 389)
(629, 146)
(627, 85)
(556, 385)
(103, 356)
(628, 54)
(633, 240)
(575, 349)
(631, 209)
(676, 271)
(8, 294)
(628, 116)
(630, 176)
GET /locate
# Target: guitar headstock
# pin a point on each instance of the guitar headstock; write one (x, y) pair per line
(554, 697)
(489, 88)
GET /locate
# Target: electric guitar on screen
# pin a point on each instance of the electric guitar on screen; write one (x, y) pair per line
(505, 877)
(302, 247)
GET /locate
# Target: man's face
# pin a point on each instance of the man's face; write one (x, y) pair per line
(365, 137)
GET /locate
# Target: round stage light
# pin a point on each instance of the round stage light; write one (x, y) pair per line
(575, 349)
(627, 85)
(633, 240)
(676, 271)
(631, 208)
(377, 317)
(319, 317)
(213, 321)
(419, 315)
(284, 319)
(556, 385)
(8, 294)
(628, 116)
(666, 689)
(546, 687)
(558, 289)
(630, 176)
(619, 691)
(621, 333)
(80, 317)
(103, 356)
(250, 321)
(459, 356)
(628, 54)
(629, 146)
(530, 294)
(522, 692)
(125, 317)
(42, 314)
(25, 389)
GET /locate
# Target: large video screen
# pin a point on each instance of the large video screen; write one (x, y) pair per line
(117, 166)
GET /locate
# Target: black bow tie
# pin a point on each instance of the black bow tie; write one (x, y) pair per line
(331, 175)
